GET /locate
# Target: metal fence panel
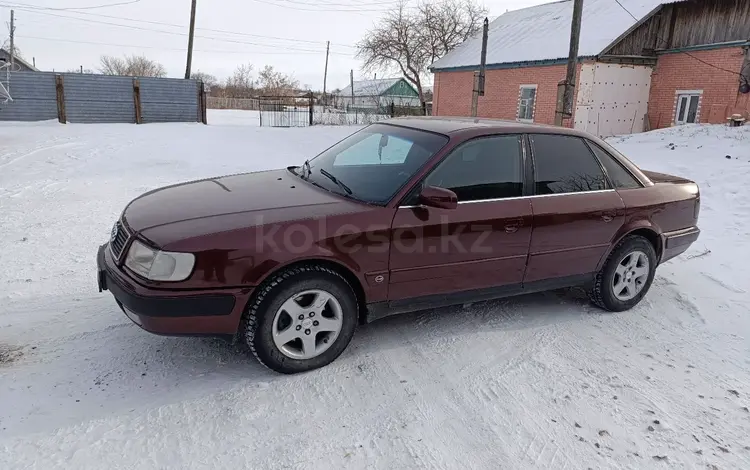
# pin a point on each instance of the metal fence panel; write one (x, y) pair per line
(34, 97)
(169, 100)
(98, 98)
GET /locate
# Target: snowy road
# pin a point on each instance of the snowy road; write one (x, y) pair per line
(541, 381)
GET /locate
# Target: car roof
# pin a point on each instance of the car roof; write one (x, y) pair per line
(453, 125)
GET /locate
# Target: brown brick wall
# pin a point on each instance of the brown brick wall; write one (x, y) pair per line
(681, 72)
(502, 89)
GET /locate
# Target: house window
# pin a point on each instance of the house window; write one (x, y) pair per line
(526, 100)
(687, 107)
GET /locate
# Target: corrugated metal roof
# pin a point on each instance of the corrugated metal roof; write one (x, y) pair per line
(370, 87)
(543, 32)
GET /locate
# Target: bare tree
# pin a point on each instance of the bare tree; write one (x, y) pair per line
(78, 71)
(134, 66)
(17, 51)
(411, 40)
(241, 84)
(208, 79)
(276, 83)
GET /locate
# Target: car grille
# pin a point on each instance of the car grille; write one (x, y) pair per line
(119, 240)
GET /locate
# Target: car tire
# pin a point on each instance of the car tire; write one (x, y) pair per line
(264, 320)
(625, 278)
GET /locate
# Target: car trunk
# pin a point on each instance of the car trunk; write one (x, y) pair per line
(665, 178)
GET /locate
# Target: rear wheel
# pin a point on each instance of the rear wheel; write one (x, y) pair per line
(626, 276)
(302, 319)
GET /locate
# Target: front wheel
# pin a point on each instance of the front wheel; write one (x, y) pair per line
(301, 320)
(626, 276)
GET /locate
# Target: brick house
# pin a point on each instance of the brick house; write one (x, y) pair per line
(681, 61)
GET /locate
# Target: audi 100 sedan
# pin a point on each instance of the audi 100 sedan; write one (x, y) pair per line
(403, 215)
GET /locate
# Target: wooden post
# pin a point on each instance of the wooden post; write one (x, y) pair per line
(60, 88)
(137, 101)
(478, 89)
(475, 95)
(191, 34)
(311, 107)
(325, 72)
(203, 103)
(560, 104)
(566, 110)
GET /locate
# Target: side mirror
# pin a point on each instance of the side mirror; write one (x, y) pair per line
(432, 196)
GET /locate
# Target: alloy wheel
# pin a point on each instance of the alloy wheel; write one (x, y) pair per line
(307, 324)
(630, 275)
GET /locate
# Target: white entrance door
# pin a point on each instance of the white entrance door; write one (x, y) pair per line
(687, 108)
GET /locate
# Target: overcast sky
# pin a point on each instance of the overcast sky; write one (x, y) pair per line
(288, 34)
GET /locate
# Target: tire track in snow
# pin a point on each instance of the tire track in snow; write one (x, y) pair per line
(13, 160)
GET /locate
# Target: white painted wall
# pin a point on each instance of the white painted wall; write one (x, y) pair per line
(612, 98)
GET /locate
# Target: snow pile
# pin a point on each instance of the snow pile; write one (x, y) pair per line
(539, 381)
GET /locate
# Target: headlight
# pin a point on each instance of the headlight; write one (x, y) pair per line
(159, 265)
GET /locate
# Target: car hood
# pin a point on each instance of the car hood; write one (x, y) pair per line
(266, 192)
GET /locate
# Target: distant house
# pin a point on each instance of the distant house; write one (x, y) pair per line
(378, 94)
(643, 64)
(20, 64)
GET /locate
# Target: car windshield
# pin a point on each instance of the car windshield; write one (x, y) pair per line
(374, 163)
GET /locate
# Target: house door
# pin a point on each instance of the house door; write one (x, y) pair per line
(687, 108)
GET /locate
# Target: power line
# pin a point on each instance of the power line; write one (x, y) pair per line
(317, 8)
(176, 26)
(348, 5)
(685, 52)
(176, 33)
(302, 52)
(107, 5)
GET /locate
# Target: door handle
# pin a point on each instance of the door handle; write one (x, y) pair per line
(608, 216)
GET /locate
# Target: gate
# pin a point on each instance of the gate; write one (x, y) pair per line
(286, 111)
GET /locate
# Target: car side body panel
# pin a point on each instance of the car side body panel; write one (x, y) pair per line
(477, 245)
(571, 232)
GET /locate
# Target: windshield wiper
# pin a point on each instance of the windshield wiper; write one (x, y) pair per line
(335, 180)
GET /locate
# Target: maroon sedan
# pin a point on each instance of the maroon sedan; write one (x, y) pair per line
(404, 215)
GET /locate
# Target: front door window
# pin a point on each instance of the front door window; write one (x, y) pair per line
(687, 108)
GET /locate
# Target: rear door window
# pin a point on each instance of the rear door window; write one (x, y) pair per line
(564, 164)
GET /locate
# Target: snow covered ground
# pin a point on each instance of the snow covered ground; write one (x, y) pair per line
(541, 381)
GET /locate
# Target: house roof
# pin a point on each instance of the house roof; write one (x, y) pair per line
(370, 87)
(17, 59)
(542, 33)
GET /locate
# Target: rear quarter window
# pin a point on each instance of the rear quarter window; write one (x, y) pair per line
(618, 175)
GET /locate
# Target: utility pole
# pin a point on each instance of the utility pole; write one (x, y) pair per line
(565, 105)
(325, 73)
(190, 40)
(12, 39)
(479, 77)
(351, 83)
(81, 68)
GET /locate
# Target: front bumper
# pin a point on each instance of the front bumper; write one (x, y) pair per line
(677, 242)
(171, 312)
